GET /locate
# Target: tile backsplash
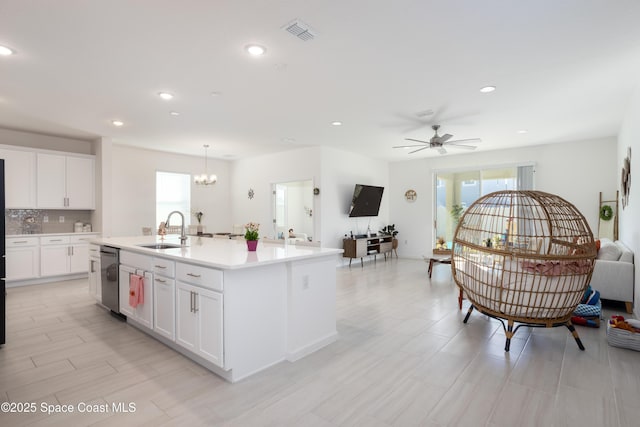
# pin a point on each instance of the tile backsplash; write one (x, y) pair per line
(41, 221)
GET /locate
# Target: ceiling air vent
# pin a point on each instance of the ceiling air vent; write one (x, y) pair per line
(300, 30)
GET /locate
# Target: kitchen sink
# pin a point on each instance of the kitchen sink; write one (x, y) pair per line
(160, 246)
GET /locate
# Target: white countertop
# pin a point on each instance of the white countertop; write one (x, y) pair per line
(219, 253)
(70, 233)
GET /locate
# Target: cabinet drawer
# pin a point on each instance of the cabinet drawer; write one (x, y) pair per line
(15, 242)
(85, 238)
(54, 240)
(164, 267)
(94, 250)
(132, 259)
(201, 276)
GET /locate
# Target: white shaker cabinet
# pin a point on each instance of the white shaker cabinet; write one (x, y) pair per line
(133, 263)
(22, 258)
(199, 312)
(95, 281)
(20, 178)
(164, 298)
(64, 254)
(65, 182)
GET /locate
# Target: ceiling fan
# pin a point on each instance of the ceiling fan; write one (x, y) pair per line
(439, 142)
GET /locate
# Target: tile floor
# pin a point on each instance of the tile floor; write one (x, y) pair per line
(404, 358)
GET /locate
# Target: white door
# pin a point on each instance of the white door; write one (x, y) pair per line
(144, 312)
(54, 260)
(123, 282)
(51, 180)
(164, 307)
(80, 183)
(94, 278)
(186, 317)
(22, 263)
(20, 176)
(78, 258)
(209, 309)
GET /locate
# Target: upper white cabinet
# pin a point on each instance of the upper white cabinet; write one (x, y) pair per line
(65, 182)
(20, 178)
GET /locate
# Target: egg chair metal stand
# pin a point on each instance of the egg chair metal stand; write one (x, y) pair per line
(524, 257)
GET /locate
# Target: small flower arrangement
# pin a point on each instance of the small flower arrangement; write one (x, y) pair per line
(252, 231)
(199, 216)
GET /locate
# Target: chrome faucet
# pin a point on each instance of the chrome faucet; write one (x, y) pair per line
(183, 236)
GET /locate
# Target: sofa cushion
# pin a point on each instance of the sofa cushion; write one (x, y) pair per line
(626, 255)
(609, 251)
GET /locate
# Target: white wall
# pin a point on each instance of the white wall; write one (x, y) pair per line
(334, 172)
(47, 142)
(629, 226)
(576, 171)
(341, 171)
(259, 174)
(133, 189)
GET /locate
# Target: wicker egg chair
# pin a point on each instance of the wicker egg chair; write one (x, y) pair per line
(525, 257)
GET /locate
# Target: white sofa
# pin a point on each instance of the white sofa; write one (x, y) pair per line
(613, 272)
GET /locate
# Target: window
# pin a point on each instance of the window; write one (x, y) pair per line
(455, 191)
(173, 193)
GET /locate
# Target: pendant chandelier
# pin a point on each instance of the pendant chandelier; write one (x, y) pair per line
(205, 178)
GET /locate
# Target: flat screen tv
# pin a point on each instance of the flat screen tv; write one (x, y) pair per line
(366, 200)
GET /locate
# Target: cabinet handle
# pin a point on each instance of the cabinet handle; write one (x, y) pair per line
(193, 275)
(191, 307)
(159, 266)
(195, 303)
(72, 251)
(55, 240)
(20, 241)
(161, 281)
(91, 265)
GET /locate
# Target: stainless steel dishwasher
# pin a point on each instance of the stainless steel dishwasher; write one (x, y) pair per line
(109, 264)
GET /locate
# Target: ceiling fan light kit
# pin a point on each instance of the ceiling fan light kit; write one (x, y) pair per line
(439, 142)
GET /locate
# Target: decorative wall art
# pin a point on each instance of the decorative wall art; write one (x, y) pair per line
(625, 182)
(251, 193)
(411, 196)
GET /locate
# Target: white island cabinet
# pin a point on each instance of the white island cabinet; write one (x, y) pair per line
(238, 312)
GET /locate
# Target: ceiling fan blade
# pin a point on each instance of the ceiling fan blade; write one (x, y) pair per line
(466, 147)
(419, 149)
(444, 138)
(407, 146)
(416, 140)
(466, 141)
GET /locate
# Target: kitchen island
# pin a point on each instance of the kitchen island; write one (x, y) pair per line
(233, 311)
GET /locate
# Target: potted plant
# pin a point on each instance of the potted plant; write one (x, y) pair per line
(390, 230)
(456, 213)
(199, 215)
(251, 235)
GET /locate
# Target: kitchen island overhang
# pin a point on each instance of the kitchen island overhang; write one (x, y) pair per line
(277, 303)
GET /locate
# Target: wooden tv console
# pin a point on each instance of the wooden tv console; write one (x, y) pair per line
(363, 246)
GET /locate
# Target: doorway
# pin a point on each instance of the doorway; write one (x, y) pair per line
(293, 209)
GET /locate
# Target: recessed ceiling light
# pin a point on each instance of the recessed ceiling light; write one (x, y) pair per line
(488, 89)
(165, 95)
(336, 123)
(523, 131)
(174, 113)
(5, 51)
(117, 123)
(255, 49)
(214, 93)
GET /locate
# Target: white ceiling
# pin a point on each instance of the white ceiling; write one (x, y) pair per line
(564, 70)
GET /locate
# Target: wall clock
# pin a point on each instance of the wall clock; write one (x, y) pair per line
(625, 180)
(411, 196)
